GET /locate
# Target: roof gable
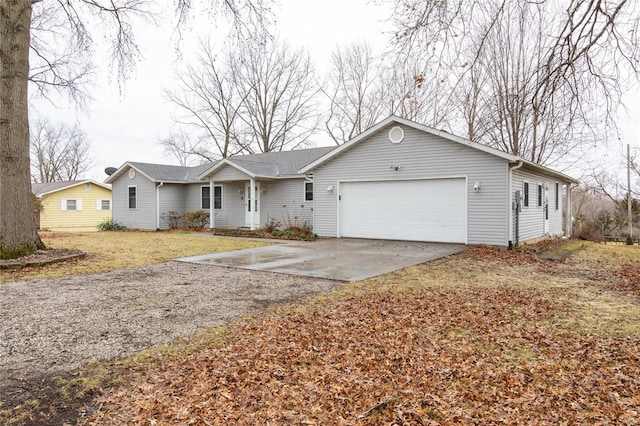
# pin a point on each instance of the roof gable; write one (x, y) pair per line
(445, 135)
(161, 172)
(40, 189)
(270, 164)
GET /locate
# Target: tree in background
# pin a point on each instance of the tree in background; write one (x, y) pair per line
(58, 152)
(255, 98)
(74, 23)
(362, 88)
(208, 103)
(279, 111)
(534, 75)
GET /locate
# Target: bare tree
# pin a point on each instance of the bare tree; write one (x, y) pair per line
(209, 102)
(58, 152)
(355, 91)
(18, 232)
(555, 62)
(362, 88)
(279, 110)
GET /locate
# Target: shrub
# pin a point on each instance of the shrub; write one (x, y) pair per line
(197, 219)
(172, 218)
(110, 225)
(272, 225)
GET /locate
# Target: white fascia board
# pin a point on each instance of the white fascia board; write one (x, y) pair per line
(551, 172)
(73, 185)
(204, 176)
(121, 170)
(412, 124)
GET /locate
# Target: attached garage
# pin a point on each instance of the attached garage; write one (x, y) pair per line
(414, 210)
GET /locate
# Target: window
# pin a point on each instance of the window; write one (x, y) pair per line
(217, 197)
(308, 191)
(526, 194)
(557, 195)
(103, 204)
(133, 199)
(205, 197)
(539, 195)
(70, 205)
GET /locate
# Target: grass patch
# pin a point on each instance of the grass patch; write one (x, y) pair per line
(107, 251)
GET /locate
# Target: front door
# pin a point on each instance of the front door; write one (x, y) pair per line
(251, 205)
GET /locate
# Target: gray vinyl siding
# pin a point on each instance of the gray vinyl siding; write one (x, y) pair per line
(229, 173)
(420, 155)
(283, 200)
(232, 213)
(172, 198)
(144, 215)
(532, 216)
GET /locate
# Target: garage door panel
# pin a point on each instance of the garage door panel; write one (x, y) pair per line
(420, 210)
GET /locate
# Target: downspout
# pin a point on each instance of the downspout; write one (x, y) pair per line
(510, 202)
(158, 205)
(568, 213)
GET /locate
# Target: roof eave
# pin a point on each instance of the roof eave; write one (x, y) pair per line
(223, 162)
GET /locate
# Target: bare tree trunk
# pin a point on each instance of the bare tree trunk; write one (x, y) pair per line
(18, 232)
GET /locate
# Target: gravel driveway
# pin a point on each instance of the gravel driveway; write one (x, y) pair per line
(56, 325)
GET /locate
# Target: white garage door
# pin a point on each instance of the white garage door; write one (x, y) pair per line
(415, 210)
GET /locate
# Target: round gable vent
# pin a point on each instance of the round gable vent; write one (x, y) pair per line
(396, 135)
(132, 173)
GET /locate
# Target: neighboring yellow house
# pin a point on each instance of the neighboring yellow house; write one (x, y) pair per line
(75, 205)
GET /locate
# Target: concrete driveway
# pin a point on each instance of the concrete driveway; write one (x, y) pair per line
(341, 259)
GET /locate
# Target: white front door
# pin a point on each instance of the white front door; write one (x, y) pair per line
(251, 205)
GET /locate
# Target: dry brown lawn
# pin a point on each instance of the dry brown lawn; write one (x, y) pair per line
(116, 250)
(481, 337)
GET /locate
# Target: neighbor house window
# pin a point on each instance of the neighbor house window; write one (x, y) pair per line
(133, 197)
(526, 194)
(557, 199)
(217, 197)
(308, 191)
(539, 195)
(68, 204)
(205, 197)
(103, 204)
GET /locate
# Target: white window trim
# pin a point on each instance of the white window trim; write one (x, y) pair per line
(129, 205)
(99, 203)
(304, 193)
(65, 207)
(526, 195)
(212, 198)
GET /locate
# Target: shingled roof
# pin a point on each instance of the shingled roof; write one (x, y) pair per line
(163, 172)
(269, 164)
(40, 189)
(278, 164)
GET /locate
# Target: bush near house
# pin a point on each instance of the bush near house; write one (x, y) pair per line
(197, 219)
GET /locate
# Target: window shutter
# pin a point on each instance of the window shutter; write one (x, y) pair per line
(63, 204)
(78, 205)
(98, 204)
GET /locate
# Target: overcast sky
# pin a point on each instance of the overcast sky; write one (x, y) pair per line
(126, 125)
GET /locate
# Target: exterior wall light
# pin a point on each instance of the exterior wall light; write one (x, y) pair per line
(330, 188)
(476, 186)
(396, 167)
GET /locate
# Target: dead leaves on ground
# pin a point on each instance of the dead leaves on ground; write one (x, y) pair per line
(407, 358)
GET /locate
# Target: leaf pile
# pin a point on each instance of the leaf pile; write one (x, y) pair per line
(418, 357)
(629, 279)
(511, 257)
